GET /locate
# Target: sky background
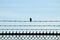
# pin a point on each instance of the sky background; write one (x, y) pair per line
(24, 9)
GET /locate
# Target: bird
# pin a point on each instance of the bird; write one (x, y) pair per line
(30, 19)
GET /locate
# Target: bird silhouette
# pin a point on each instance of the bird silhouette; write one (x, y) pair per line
(30, 19)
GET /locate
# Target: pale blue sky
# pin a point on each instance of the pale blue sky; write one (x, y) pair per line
(23, 9)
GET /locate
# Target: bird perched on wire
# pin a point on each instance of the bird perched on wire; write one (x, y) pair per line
(30, 19)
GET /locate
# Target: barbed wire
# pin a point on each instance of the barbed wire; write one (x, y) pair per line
(29, 29)
(29, 25)
(29, 21)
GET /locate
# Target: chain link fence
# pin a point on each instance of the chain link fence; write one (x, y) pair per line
(29, 37)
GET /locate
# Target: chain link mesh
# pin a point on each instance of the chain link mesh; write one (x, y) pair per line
(29, 37)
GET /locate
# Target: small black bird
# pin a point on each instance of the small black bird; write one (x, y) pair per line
(30, 19)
